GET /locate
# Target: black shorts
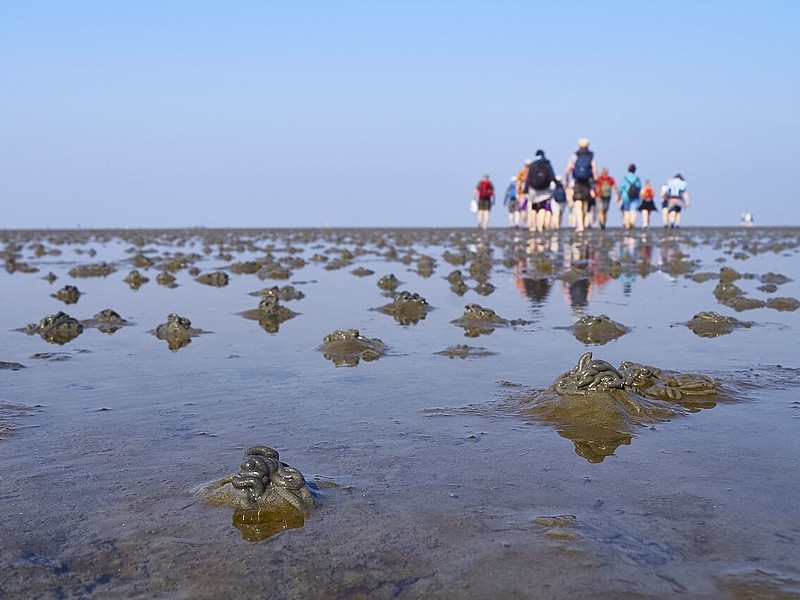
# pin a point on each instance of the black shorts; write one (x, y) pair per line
(581, 191)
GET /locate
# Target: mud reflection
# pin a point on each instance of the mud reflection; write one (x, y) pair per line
(260, 524)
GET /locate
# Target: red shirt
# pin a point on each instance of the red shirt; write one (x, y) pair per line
(604, 178)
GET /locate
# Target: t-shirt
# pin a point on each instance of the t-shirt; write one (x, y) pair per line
(628, 181)
(605, 179)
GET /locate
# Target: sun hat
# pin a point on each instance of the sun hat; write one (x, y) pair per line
(583, 143)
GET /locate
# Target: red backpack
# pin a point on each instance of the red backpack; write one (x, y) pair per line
(485, 190)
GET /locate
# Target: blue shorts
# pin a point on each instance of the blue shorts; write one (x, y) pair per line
(629, 204)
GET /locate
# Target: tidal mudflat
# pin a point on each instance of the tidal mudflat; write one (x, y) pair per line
(612, 414)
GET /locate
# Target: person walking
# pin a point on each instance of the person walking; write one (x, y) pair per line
(605, 189)
(583, 170)
(558, 205)
(664, 205)
(522, 198)
(677, 200)
(647, 204)
(484, 192)
(629, 192)
(511, 203)
(539, 187)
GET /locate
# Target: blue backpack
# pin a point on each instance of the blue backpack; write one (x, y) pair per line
(583, 166)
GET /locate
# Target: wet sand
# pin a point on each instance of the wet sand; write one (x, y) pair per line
(432, 478)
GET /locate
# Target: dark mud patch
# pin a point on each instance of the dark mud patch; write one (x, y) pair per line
(477, 321)
(348, 348)
(599, 407)
(463, 351)
(270, 313)
(407, 308)
(106, 321)
(598, 330)
(710, 324)
(268, 495)
(10, 366)
(177, 332)
(58, 328)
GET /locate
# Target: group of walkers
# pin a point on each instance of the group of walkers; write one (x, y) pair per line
(538, 198)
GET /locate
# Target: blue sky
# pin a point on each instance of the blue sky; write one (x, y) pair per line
(366, 113)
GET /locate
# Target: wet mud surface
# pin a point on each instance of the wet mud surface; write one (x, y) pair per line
(650, 456)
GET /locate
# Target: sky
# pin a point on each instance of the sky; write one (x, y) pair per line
(179, 113)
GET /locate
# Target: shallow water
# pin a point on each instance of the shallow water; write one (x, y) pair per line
(427, 485)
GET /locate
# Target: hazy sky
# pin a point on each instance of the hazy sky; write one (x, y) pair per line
(167, 113)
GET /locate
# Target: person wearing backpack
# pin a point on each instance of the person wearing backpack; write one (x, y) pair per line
(539, 186)
(583, 170)
(510, 202)
(630, 190)
(558, 205)
(677, 200)
(522, 198)
(484, 192)
(647, 204)
(605, 189)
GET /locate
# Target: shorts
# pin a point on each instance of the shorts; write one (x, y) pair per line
(629, 204)
(647, 205)
(558, 207)
(675, 205)
(543, 205)
(604, 204)
(484, 203)
(580, 191)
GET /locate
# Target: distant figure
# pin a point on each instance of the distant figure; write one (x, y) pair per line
(664, 205)
(647, 204)
(747, 219)
(485, 195)
(510, 202)
(538, 187)
(605, 188)
(583, 170)
(677, 200)
(521, 197)
(630, 191)
(558, 205)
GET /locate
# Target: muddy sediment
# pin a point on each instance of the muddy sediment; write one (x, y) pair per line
(537, 471)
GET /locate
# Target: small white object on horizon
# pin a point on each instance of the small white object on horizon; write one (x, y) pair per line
(747, 219)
